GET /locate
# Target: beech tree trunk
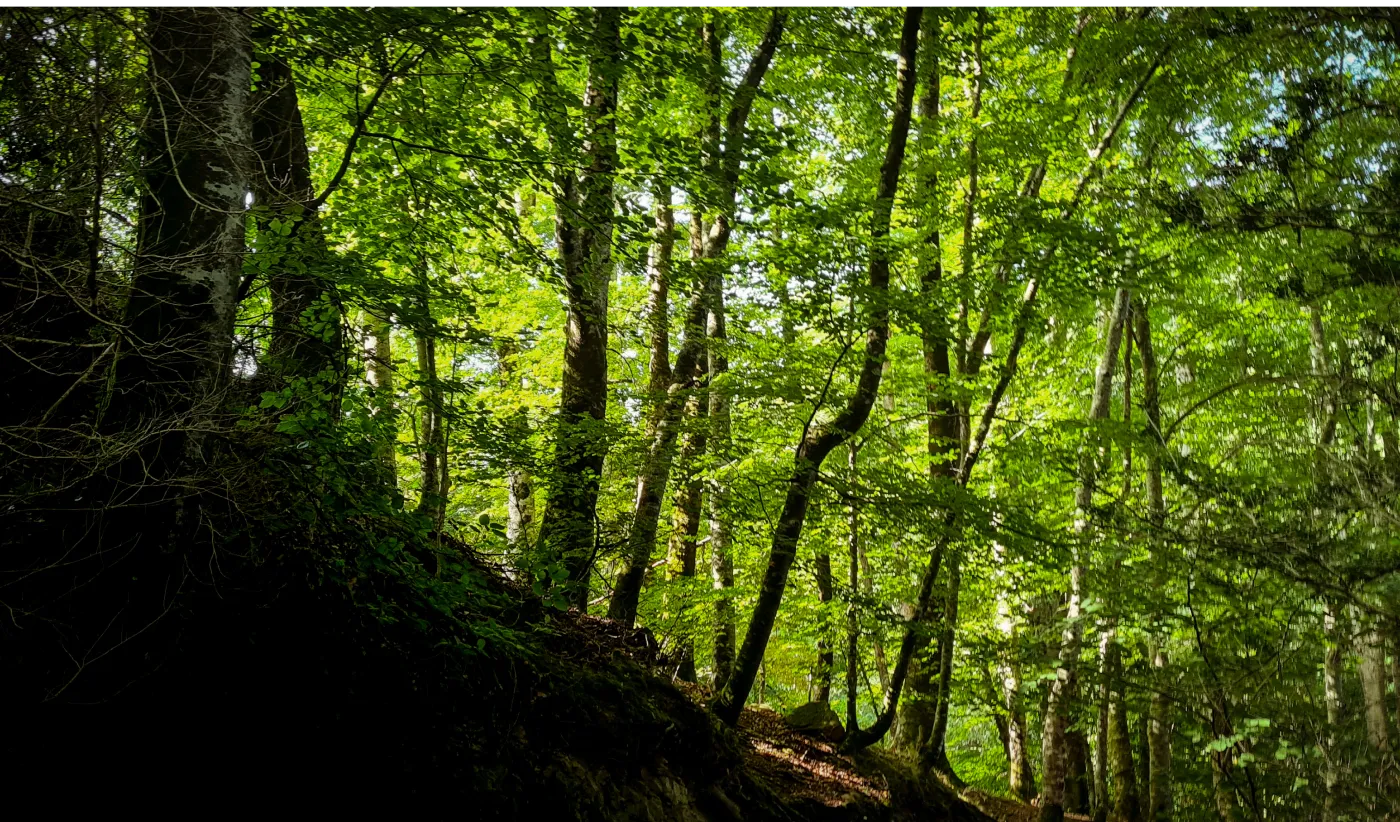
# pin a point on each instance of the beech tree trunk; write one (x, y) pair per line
(1371, 670)
(721, 558)
(196, 137)
(923, 719)
(432, 434)
(723, 163)
(934, 754)
(1332, 698)
(1021, 776)
(584, 235)
(853, 580)
(379, 372)
(822, 439)
(663, 245)
(685, 521)
(1052, 800)
(1159, 769)
(1079, 793)
(307, 337)
(826, 657)
(1126, 805)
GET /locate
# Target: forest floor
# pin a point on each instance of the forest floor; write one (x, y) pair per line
(802, 768)
(1004, 809)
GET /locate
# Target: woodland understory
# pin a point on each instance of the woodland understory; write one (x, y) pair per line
(531, 405)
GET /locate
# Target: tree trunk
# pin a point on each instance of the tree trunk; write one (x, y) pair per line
(379, 372)
(853, 581)
(1159, 769)
(1052, 805)
(821, 440)
(1336, 642)
(721, 559)
(651, 484)
(685, 521)
(1020, 774)
(307, 339)
(1371, 670)
(584, 235)
(1101, 733)
(432, 439)
(934, 754)
(520, 485)
(656, 468)
(663, 243)
(190, 246)
(1126, 806)
(1079, 795)
(826, 657)
(919, 716)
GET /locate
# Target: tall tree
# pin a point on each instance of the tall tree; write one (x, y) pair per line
(723, 161)
(821, 439)
(583, 208)
(1055, 746)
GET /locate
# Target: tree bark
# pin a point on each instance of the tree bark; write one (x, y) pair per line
(307, 338)
(651, 484)
(380, 375)
(721, 557)
(1336, 641)
(432, 435)
(918, 720)
(685, 521)
(1052, 803)
(1159, 769)
(853, 580)
(196, 137)
(826, 656)
(1079, 794)
(820, 440)
(1020, 774)
(663, 243)
(934, 753)
(584, 233)
(1126, 805)
(1371, 670)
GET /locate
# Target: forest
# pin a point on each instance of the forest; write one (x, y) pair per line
(608, 413)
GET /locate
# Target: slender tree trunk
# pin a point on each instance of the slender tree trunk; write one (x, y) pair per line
(520, 485)
(826, 657)
(190, 245)
(432, 440)
(724, 164)
(1079, 786)
(685, 520)
(1332, 697)
(1371, 670)
(1020, 774)
(721, 558)
(934, 755)
(379, 373)
(1159, 770)
(1052, 806)
(1126, 805)
(1101, 733)
(822, 439)
(919, 719)
(853, 581)
(307, 338)
(659, 306)
(584, 235)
